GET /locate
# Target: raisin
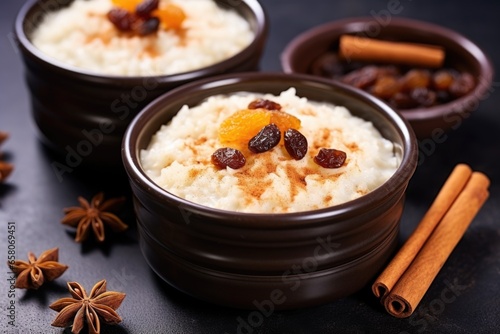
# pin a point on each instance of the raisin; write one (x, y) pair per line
(416, 78)
(328, 65)
(442, 80)
(266, 139)
(462, 85)
(295, 144)
(402, 100)
(228, 157)
(385, 87)
(145, 8)
(443, 96)
(264, 104)
(121, 19)
(423, 96)
(149, 26)
(361, 78)
(330, 158)
(406, 88)
(389, 70)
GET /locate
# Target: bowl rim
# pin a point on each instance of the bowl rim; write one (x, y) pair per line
(416, 114)
(260, 34)
(131, 160)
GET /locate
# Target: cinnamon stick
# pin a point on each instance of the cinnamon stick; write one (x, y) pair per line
(411, 287)
(402, 260)
(356, 48)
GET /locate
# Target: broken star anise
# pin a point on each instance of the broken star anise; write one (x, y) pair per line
(5, 168)
(99, 306)
(32, 274)
(93, 216)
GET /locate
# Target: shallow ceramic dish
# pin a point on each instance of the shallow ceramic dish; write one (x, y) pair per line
(461, 54)
(284, 260)
(82, 114)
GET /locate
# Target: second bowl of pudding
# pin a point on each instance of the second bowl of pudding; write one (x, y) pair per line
(91, 66)
(286, 226)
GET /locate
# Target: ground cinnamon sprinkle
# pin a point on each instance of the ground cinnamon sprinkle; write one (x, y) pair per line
(192, 147)
(325, 134)
(276, 175)
(104, 36)
(327, 199)
(254, 187)
(201, 140)
(252, 179)
(193, 173)
(297, 178)
(150, 51)
(308, 112)
(353, 147)
(323, 139)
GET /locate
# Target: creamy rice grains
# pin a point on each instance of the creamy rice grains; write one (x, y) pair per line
(178, 158)
(82, 36)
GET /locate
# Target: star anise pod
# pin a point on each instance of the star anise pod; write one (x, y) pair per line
(93, 216)
(99, 306)
(32, 274)
(3, 136)
(5, 168)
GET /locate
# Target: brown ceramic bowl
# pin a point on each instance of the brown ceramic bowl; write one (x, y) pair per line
(285, 261)
(461, 54)
(83, 114)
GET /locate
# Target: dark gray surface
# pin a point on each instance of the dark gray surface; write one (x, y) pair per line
(33, 198)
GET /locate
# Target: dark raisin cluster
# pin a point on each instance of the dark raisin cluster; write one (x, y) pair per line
(140, 22)
(269, 137)
(400, 86)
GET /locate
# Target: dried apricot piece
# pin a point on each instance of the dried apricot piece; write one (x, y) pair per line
(129, 5)
(284, 121)
(244, 124)
(170, 15)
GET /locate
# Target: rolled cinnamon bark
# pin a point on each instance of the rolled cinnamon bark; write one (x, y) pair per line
(402, 260)
(356, 48)
(411, 287)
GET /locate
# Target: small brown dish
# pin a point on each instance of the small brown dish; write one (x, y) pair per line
(283, 261)
(82, 114)
(461, 55)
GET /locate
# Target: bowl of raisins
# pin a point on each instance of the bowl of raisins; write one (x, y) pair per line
(81, 113)
(434, 99)
(275, 260)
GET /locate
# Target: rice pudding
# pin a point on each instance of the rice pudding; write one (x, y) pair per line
(83, 36)
(178, 158)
